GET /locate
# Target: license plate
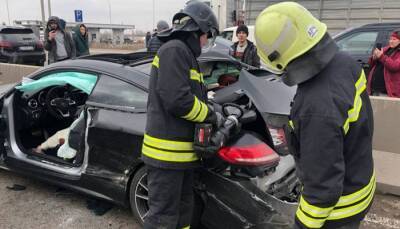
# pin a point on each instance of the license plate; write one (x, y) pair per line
(26, 48)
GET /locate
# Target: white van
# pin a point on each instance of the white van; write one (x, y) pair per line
(230, 34)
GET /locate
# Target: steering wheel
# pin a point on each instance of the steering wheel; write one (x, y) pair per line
(59, 102)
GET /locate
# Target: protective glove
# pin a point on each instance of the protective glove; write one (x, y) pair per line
(216, 117)
(206, 151)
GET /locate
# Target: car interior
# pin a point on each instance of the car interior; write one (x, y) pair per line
(41, 109)
(218, 75)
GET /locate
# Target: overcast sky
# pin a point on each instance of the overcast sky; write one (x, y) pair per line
(135, 12)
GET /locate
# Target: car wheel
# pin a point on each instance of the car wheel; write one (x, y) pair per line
(139, 196)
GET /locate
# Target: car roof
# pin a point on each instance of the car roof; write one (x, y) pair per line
(123, 65)
(120, 71)
(233, 28)
(383, 24)
(14, 27)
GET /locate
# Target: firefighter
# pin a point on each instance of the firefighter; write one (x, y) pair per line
(331, 126)
(177, 101)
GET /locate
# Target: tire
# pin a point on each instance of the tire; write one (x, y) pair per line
(138, 195)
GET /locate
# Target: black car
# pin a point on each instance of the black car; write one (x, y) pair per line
(110, 91)
(360, 41)
(19, 45)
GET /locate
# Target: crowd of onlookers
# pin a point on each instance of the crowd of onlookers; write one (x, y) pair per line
(62, 44)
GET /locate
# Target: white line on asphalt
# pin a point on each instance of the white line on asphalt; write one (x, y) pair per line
(384, 221)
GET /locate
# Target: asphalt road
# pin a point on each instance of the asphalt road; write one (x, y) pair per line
(41, 206)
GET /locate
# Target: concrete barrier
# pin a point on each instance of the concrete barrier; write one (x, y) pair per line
(386, 142)
(12, 73)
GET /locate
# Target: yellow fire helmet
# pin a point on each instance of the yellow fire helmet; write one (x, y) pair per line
(285, 31)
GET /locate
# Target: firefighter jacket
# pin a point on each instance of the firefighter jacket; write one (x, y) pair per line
(177, 101)
(331, 140)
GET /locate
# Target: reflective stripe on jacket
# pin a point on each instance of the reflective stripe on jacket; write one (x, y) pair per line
(332, 125)
(177, 100)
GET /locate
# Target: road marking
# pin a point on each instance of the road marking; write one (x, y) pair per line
(384, 221)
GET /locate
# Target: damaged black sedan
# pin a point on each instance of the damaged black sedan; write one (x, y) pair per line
(80, 124)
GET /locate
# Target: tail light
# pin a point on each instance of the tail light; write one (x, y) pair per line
(254, 155)
(279, 139)
(6, 45)
(39, 45)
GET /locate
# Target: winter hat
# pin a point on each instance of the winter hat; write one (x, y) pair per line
(242, 28)
(396, 34)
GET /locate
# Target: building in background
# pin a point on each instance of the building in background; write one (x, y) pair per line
(229, 12)
(337, 14)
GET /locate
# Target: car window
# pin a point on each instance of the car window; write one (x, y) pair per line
(359, 43)
(227, 35)
(17, 34)
(114, 92)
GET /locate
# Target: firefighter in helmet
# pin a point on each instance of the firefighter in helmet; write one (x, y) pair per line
(331, 123)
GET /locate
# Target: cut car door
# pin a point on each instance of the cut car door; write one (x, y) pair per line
(115, 133)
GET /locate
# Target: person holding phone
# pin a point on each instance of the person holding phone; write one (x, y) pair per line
(58, 42)
(384, 77)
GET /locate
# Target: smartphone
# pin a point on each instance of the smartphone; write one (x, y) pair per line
(378, 46)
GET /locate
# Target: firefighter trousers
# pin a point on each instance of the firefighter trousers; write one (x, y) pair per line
(170, 198)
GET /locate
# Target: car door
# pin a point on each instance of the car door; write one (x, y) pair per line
(25, 122)
(359, 44)
(117, 116)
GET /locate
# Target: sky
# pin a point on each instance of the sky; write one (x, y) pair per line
(132, 12)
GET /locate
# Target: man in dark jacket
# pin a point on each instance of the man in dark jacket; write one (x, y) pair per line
(177, 101)
(244, 50)
(81, 40)
(331, 127)
(147, 39)
(155, 43)
(58, 42)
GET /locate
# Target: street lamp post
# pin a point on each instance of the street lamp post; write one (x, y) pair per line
(8, 12)
(49, 7)
(154, 13)
(109, 10)
(43, 15)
